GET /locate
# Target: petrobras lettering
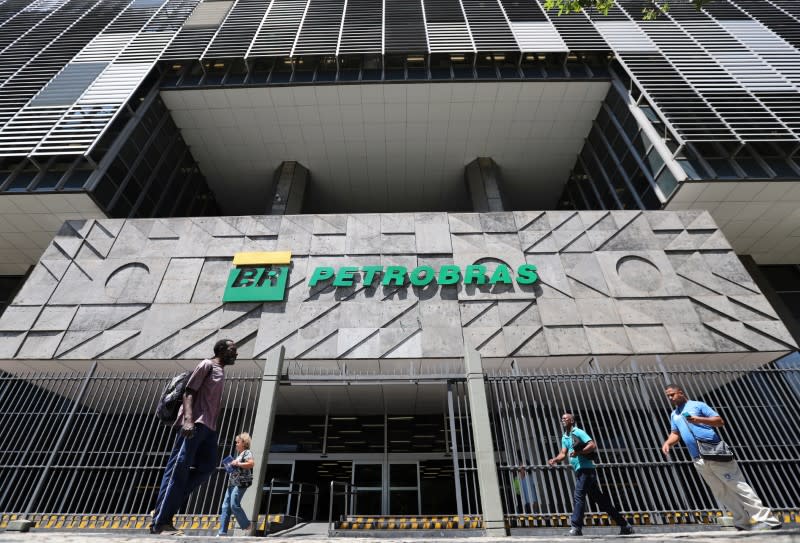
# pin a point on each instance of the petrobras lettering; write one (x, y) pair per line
(473, 274)
(264, 276)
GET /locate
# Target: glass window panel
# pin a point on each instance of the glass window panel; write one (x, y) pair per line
(122, 208)
(781, 168)
(723, 168)
(654, 161)
(368, 475)
(782, 278)
(404, 502)
(104, 191)
(792, 301)
(77, 178)
(751, 167)
(49, 180)
(22, 180)
(650, 200)
(666, 182)
(402, 475)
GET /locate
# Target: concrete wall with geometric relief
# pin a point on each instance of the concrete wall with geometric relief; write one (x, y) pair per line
(611, 283)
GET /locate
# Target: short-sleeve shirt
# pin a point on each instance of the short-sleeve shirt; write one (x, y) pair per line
(703, 431)
(241, 476)
(579, 461)
(207, 381)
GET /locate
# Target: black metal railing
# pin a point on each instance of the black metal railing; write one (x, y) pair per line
(295, 492)
(628, 416)
(88, 442)
(348, 494)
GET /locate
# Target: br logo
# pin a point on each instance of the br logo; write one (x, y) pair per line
(258, 277)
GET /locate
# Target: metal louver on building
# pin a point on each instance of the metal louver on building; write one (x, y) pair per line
(69, 85)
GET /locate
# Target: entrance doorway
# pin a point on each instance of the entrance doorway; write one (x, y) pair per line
(384, 487)
(398, 449)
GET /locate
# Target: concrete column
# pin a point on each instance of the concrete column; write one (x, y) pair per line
(488, 483)
(290, 189)
(483, 182)
(262, 431)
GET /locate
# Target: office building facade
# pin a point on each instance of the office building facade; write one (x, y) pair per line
(430, 226)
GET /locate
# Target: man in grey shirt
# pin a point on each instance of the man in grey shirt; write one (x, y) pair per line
(196, 440)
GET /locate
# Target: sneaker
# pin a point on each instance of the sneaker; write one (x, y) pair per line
(626, 530)
(741, 528)
(762, 526)
(575, 531)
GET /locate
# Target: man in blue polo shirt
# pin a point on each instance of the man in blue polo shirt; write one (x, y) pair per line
(692, 420)
(578, 446)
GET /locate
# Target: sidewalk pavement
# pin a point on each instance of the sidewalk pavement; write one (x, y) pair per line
(791, 535)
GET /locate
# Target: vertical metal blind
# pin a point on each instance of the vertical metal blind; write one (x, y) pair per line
(89, 442)
(628, 417)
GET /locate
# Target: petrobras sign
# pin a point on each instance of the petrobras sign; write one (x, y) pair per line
(262, 276)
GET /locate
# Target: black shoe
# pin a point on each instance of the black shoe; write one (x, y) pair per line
(575, 531)
(165, 529)
(626, 530)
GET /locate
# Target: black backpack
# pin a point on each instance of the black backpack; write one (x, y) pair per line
(172, 398)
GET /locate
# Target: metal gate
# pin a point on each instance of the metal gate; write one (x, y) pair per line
(462, 450)
(628, 416)
(88, 442)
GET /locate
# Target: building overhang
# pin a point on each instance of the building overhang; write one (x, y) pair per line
(759, 218)
(387, 147)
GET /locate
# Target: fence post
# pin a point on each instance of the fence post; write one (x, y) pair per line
(491, 504)
(65, 430)
(262, 432)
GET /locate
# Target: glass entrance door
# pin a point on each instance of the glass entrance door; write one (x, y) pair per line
(403, 485)
(368, 478)
(386, 489)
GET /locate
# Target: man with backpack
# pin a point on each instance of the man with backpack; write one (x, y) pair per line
(196, 437)
(581, 450)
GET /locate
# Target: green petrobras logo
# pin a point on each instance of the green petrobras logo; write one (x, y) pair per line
(262, 277)
(258, 277)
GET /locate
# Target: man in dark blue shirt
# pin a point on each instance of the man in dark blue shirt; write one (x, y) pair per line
(692, 420)
(578, 446)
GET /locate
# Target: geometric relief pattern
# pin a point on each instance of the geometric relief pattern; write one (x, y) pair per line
(611, 282)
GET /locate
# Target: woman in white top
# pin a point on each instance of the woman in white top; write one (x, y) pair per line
(238, 480)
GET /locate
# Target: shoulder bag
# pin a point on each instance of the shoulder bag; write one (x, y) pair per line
(718, 452)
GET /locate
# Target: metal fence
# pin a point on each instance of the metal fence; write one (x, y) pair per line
(628, 416)
(468, 500)
(88, 441)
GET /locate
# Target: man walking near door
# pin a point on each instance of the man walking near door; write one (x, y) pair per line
(196, 437)
(579, 447)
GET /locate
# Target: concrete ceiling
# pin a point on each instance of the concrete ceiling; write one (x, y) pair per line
(387, 147)
(761, 219)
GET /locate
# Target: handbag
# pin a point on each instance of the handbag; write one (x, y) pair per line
(709, 450)
(718, 452)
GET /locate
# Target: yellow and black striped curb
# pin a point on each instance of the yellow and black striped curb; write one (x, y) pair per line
(447, 522)
(637, 519)
(50, 521)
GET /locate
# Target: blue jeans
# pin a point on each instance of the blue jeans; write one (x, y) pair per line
(178, 482)
(233, 502)
(586, 484)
